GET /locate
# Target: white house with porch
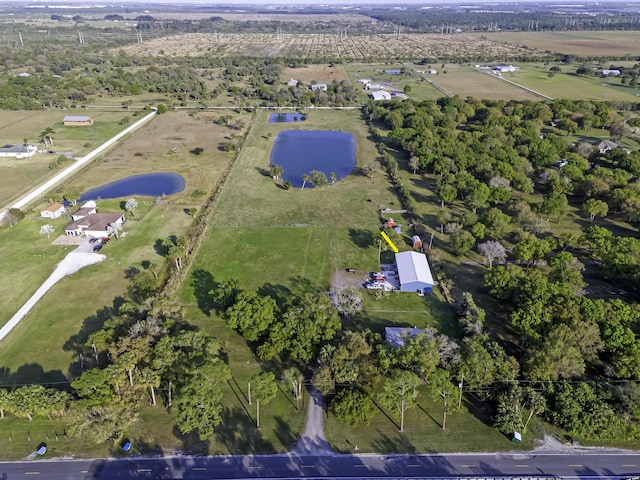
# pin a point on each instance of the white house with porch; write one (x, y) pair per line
(89, 223)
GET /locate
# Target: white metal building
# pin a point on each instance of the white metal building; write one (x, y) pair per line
(414, 272)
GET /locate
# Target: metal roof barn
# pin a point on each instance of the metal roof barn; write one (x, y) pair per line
(414, 272)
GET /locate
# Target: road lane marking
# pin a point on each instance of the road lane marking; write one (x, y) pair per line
(142, 470)
(254, 466)
(574, 465)
(307, 466)
(521, 465)
(84, 471)
(32, 473)
(360, 465)
(413, 465)
(199, 468)
(467, 465)
(627, 465)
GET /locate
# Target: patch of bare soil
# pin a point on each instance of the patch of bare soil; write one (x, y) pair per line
(344, 280)
(315, 73)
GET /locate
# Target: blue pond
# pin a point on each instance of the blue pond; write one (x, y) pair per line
(286, 117)
(300, 151)
(146, 185)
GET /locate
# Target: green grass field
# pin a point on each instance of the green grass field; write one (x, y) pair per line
(21, 175)
(567, 84)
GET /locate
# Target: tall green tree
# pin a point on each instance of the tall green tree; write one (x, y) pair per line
(400, 392)
(263, 390)
(252, 314)
(199, 400)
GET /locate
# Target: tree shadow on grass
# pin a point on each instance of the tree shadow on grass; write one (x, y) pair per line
(284, 433)
(279, 293)
(397, 443)
(191, 443)
(361, 237)
(78, 343)
(32, 373)
(239, 434)
(202, 283)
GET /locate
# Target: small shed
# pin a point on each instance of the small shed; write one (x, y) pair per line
(319, 86)
(414, 272)
(55, 210)
(393, 72)
(292, 82)
(417, 242)
(77, 121)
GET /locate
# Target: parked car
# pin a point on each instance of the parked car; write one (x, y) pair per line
(378, 276)
(375, 286)
(96, 248)
(93, 240)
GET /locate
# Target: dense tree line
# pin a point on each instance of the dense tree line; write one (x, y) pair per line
(511, 175)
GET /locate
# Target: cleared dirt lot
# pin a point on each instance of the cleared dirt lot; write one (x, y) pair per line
(318, 73)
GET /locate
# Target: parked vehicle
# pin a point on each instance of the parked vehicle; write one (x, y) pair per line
(96, 248)
(375, 286)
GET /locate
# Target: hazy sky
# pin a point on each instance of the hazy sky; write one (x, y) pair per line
(295, 2)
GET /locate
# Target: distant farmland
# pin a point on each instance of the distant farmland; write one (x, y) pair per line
(356, 47)
(582, 43)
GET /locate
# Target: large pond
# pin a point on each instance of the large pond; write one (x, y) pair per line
(301, 151)
(286, 117)
(146, 185)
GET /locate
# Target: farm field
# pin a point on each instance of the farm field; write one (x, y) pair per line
(465, 82)
(566, 84)
(18, 176)
(582, 43)
(355, 48)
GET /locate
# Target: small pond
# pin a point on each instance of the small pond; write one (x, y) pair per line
(286, 117)
(301, 151)
(146, 185)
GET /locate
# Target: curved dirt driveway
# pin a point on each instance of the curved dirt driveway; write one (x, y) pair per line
(73, 262)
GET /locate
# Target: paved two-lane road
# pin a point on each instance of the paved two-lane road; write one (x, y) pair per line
(332, 466)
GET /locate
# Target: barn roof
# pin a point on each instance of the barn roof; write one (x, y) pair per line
(413, 267)
(76, 118)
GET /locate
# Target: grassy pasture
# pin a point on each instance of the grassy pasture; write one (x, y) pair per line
(567, 84)
(21, 175)
(468, 82)
(583, 43)
(352, 202)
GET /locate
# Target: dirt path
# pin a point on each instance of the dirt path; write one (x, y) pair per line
(73, 262)
(313, 441)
